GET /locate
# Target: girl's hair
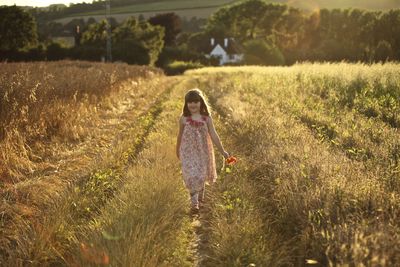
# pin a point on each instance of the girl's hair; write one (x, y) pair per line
(194, 95)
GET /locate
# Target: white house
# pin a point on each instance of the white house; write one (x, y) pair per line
(227, 51)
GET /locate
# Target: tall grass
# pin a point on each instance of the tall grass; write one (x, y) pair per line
(147, 223)
(40, 102)
(297, 182)
(102, 116)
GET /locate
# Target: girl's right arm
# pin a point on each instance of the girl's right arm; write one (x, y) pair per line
(179, 138)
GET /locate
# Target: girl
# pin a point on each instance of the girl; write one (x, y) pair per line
(194, 146)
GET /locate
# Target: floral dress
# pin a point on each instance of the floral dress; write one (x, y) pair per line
(197, 155)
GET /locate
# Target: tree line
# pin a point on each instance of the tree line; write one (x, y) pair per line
(270, 34)
(282, 34)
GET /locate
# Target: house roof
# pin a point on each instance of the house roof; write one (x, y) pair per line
(233, 46)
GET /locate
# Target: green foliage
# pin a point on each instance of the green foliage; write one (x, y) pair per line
(383, 51)
(179, 67)
(131, 51)
(55, 52)
(258, 52)
(133, 42)
(324, 35)
(246, 20)
(96, 34)
(141, 34)
(17, 28)
(172, 25)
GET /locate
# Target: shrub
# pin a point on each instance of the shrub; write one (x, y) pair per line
(178, 67)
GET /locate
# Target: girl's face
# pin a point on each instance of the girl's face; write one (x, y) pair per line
(194, 106)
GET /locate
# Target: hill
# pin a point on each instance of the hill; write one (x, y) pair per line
(203, 9)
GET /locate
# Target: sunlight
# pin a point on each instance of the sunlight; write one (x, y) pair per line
(41, 3)
(311, 6)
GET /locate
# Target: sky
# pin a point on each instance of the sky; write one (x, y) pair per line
(40, 3)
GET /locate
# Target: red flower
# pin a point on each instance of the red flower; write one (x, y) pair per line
(231, 160)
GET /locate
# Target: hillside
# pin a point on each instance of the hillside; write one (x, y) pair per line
(203, 9)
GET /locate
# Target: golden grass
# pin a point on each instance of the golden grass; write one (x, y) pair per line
(146, 224)
(41, 102)
(60, 164)
(316, 181)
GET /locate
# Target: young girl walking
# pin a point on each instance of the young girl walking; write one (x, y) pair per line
(194, 146)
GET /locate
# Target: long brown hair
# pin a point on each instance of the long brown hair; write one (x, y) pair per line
(194, 95)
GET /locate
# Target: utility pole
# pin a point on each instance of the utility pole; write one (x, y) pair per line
(108, 7)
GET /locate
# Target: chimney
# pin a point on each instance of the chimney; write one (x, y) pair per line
(212, 41)
(226, 42)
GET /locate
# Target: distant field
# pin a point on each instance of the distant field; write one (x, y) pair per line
(188, 13)
(162, 6)
(189, 8)
(203, 9)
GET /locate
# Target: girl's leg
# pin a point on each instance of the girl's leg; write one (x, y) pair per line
(194, 198)
(202, 193)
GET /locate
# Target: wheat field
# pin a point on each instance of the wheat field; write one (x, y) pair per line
(317, 180)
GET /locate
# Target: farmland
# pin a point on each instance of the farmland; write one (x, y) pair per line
(203, 9)
(89, 172)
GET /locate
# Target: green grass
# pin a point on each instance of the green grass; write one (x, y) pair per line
(317, 177)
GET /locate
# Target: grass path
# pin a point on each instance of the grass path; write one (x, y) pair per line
(291, 199)
(148, 222)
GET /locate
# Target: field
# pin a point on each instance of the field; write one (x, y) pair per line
(317, 180)
(188, 9)
(204, 8)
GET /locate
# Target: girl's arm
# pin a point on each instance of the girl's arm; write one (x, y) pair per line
(179, 138)
(215, 138)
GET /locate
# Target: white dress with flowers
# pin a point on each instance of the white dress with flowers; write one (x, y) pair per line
(197, 155)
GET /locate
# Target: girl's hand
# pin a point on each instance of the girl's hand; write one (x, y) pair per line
(226, 154)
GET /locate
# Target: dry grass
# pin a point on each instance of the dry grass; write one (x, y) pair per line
(82, 149)
(317, 179)
(40, 102)
(146, 224)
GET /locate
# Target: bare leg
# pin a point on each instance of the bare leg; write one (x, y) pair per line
(202, 193)
(194, 198)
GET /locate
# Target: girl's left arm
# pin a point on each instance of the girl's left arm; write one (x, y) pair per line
(179, 138)
(215, 138)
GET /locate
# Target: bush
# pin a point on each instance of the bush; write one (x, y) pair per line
(383, 51)
(179, 67)
(56, 52)
(258, 52)
(132, 52)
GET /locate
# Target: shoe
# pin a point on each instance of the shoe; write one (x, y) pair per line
(195, 208)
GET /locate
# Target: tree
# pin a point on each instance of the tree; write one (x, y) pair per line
(142, 34)
(388, 28)
(172, 24)
(246, 20)
(17, 28)
(258, 52)
(96, 34)
(383, 51)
